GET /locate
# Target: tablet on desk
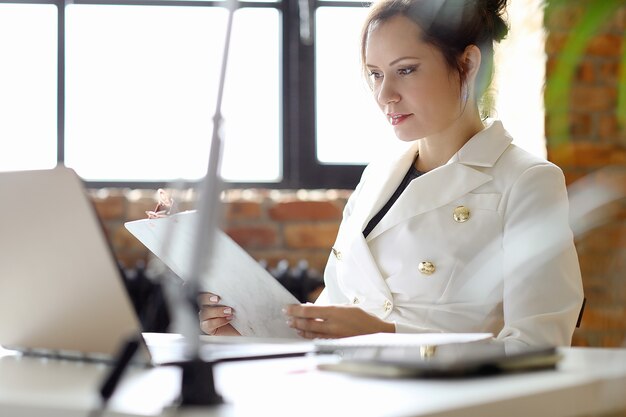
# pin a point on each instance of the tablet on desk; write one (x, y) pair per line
(448, 360)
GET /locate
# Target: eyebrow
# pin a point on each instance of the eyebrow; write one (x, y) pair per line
(395, 61)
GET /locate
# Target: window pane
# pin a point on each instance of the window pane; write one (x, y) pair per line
(141, 91)
(28, 89)
(350, 127)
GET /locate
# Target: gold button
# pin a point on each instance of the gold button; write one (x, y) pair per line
(426, 268)
(337, 254)
(461, 214)
(355, 300)
(428, 351)
(387, 305)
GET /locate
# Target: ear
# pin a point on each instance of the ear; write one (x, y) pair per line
(470, 63)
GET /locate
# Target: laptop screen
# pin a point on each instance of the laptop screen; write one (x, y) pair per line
(60, 287)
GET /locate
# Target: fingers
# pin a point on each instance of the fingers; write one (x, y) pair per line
(309, 311)
(207, 298)
(211, 326)
(313, 335)
(308, 325)
(213, 316)
(213, 312)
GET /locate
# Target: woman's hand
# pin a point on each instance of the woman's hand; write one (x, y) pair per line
(214, 317)
(313, 321)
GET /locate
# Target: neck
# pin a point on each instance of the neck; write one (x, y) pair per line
(435, 150)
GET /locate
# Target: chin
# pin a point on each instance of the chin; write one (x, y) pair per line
(408, 136)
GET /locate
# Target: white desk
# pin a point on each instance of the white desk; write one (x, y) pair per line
(587, 382)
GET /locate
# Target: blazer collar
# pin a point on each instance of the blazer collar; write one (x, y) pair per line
(433, 189)
(484, 148)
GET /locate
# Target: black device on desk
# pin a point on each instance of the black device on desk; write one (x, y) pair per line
(447, 360)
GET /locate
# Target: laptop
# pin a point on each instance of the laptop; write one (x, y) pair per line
(60, 287)
(61, 290)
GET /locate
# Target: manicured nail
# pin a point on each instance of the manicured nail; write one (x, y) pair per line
(228, 311)
(290, 322)
(214, 299)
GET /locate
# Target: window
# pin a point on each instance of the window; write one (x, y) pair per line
(28, 86)
(123, 91)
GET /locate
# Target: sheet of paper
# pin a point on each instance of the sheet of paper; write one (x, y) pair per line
(255, 295)
(400, 340)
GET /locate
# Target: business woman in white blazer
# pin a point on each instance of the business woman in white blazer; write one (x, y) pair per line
(480, 240)
(462, 231)
(480, 244)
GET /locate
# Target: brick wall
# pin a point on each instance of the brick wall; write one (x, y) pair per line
(274, 225)
(271, 225)
(595, 141)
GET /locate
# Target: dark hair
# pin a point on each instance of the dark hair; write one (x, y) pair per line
(451, 26)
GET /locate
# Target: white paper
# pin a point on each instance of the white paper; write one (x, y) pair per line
(401, 340)
(256, 296)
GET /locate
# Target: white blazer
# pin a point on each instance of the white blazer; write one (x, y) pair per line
(480, 244)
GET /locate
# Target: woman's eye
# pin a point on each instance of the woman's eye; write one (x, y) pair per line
(375, 75)
(407, 70)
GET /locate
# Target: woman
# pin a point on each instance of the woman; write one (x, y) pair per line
(462, 232)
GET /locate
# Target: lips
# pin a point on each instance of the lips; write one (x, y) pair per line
(397, 118)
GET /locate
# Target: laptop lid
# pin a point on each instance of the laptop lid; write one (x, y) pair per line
(60, 287)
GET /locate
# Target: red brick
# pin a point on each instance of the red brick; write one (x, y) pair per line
(580, 125)
(586, 72)
(563, 18)
(604, 318)
(583, 154)
(122, 240)
(137, 208)
(311, 236)
(254, 236)
(579, 339)
(555, 43)
(305, 210)
(595, 263)
(608, 127)
(608, 237)
(571, 177)
(110, 207)
(605, 45)
(609, 71)
(613, 339)
(242, 210)
(593, 98)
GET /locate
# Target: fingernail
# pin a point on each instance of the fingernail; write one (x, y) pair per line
(289, 322)
(284, 310)
(228, 311)
(214, 299)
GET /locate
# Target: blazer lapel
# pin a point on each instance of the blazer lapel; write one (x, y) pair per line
(448, 182)
(430, 191)
(382, 181)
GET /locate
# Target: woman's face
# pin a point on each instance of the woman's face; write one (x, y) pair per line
(411, 81)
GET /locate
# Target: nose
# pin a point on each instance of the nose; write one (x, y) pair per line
(387, 92)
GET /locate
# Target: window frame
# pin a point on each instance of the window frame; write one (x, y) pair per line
(300, 167)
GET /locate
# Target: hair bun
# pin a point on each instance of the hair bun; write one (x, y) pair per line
(493, 11)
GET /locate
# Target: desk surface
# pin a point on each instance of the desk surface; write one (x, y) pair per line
(587, 381)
